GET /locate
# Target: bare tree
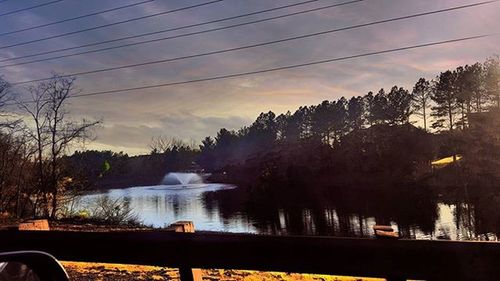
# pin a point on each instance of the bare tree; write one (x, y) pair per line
(15, 156)
(15, 175)
(7, 120)
(162, 144)
(53, 132)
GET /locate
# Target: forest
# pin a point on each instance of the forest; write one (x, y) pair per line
(386, 139)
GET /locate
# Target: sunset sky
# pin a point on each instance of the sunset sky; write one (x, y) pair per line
(196, 110)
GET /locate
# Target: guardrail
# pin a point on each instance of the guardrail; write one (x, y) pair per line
(391, 259)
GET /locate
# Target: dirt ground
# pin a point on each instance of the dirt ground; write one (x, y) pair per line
(115, 272)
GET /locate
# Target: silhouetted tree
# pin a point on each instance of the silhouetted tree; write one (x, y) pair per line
(5, 98)
(379, 108)
(303, 117)
(322, 119)
(464, 89)
(369, 112)
(355, 113)
(54, 132)
(398, 108)
(444, 96)
(163, 144)
(492, 79)
(15, 173)
(339, 119)
(263, 132)
(476, 83)
(421, 99)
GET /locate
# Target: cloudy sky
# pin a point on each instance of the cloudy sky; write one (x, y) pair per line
(195, 110)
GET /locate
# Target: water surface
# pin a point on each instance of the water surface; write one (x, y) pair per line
(219, 207)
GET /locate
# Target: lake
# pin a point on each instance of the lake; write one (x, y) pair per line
(225, 208)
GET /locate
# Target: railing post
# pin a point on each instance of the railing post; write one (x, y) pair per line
(34, 225)
(186, 273)
(387, 232)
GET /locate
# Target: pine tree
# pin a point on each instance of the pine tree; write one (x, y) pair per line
(421, 99)
(444, 95)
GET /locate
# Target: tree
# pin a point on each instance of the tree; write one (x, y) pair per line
(379, 108)
(53, 133)
(263, 132)
(339, 119)
(207, 144)
(163, 144)
(492, 79)
(15, 165)
(464, 89)
(15, 175)
(225, 146)
(368, 101)
(303, 118)
(475, 80)
(444, 95)
(398, 108)
(321, 121)
(355, 113)
(421, 99)
(6, 121)
(4, 93)
(290, 126)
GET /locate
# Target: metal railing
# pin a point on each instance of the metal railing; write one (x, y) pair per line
(391, 259)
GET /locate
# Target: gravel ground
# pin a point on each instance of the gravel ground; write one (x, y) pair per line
(111, 272)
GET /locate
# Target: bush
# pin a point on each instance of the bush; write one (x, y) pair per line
(113, 211)
(103, 211)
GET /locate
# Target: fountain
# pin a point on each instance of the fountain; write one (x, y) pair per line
(183, 180)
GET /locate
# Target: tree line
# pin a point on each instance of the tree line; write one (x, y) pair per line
(441, 104)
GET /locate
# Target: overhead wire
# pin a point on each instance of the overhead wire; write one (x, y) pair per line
(261, 44)
(284, 67)
(281, 68)
(196, 33)
(159, 32)
(30, 8)
(75, 18)
(109, 24)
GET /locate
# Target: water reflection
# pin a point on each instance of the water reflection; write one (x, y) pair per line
(414, 214)
(160, 206)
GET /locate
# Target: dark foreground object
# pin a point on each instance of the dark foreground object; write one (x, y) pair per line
(393, 259)
(30, 266)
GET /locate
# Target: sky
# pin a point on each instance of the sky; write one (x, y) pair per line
(195, 110)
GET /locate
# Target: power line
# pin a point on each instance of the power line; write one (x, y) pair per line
(75, 18)
(109, 24)
(162, 31)
(167, 38)
(282, 67)
(258, 44)
(29, 8)
(202, 32)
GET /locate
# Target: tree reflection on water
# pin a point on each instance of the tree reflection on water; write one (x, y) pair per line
(414, 211)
